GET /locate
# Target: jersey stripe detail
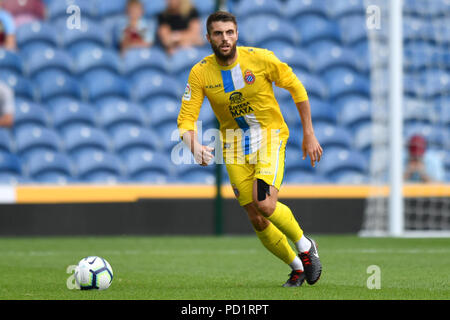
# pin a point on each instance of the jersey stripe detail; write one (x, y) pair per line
(228, 84)
(238, 79)
(245, 128)
(232, 79)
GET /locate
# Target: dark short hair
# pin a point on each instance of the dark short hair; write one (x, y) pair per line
(133, 2)
(223, 16)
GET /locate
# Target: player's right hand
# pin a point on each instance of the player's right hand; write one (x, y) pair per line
(203, 155)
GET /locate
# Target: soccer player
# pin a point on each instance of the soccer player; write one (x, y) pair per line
(238, 83)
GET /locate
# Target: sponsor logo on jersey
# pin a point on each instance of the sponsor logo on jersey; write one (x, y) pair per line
(249, 77)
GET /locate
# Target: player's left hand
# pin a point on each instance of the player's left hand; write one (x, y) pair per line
(312, 148)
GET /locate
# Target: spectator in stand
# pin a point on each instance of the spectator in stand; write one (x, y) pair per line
(25, 11)
(179, 26)
(423, 165)
(6, 106)
(138, 33)
(7, 30)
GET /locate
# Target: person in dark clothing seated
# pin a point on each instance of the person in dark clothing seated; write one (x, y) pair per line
(179, 26)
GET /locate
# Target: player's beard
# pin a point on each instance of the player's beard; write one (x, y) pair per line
(220, 55)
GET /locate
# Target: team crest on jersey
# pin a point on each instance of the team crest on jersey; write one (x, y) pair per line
(187, 92)
(249, 77)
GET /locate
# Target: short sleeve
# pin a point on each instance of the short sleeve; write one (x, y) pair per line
(190, 104)
(283, 76)
(8, 23)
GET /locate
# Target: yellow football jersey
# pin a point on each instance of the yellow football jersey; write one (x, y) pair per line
(241, 95)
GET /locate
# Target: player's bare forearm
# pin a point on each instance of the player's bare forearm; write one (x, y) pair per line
(202, 154)
(310, 145)
(305, 115)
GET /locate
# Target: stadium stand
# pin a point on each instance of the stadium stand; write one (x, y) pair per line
(75, 92)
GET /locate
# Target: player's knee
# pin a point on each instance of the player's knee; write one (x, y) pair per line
(259, 222)
(266, 207)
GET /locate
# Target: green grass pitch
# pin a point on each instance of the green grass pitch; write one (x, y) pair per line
(229, 268)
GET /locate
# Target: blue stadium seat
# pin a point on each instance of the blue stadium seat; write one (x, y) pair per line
(11, 179)
(6, 143)
(198, 177)
(90, 32)
(296, 8)
(302, 177)
(204, 7)
(104, 84)
(184, 59)
(36, 32)
(290, 112)
(70, 113)
(9, 163)
(322, 112)
(150, 85)
(31, 139)
(139, 162)
(107, 9)
(436, 82)
(419, 111)
(153, 7)
(11, 61)
(206, 115)
(314, 85)
(260, 30)
(169, 135)
(54, 84)
(40, 164)
(350, 177)
(150, 177)
(23, 87)
(421, 54)
(49, 59)
(162, 110)
(333, 136)
(58, 9)
(314, 28)
(293, 161)
(344, 81)
(340, 9)
(296, 58)
(99, 166)
(122, 112)
(353, 29)
(369, 133)
(295, 139)
(54, 178)
(129, 138)
(336, 56)
(98, 59)
(27, 113)
(355, 111)
(335, 161)
(136, 60)
(427, 9)
(253, 7)
(82, 137)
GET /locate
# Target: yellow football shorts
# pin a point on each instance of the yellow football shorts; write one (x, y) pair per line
(266, 164)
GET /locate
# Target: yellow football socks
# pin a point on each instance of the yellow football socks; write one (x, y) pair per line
(276, 242)
(284, 220)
